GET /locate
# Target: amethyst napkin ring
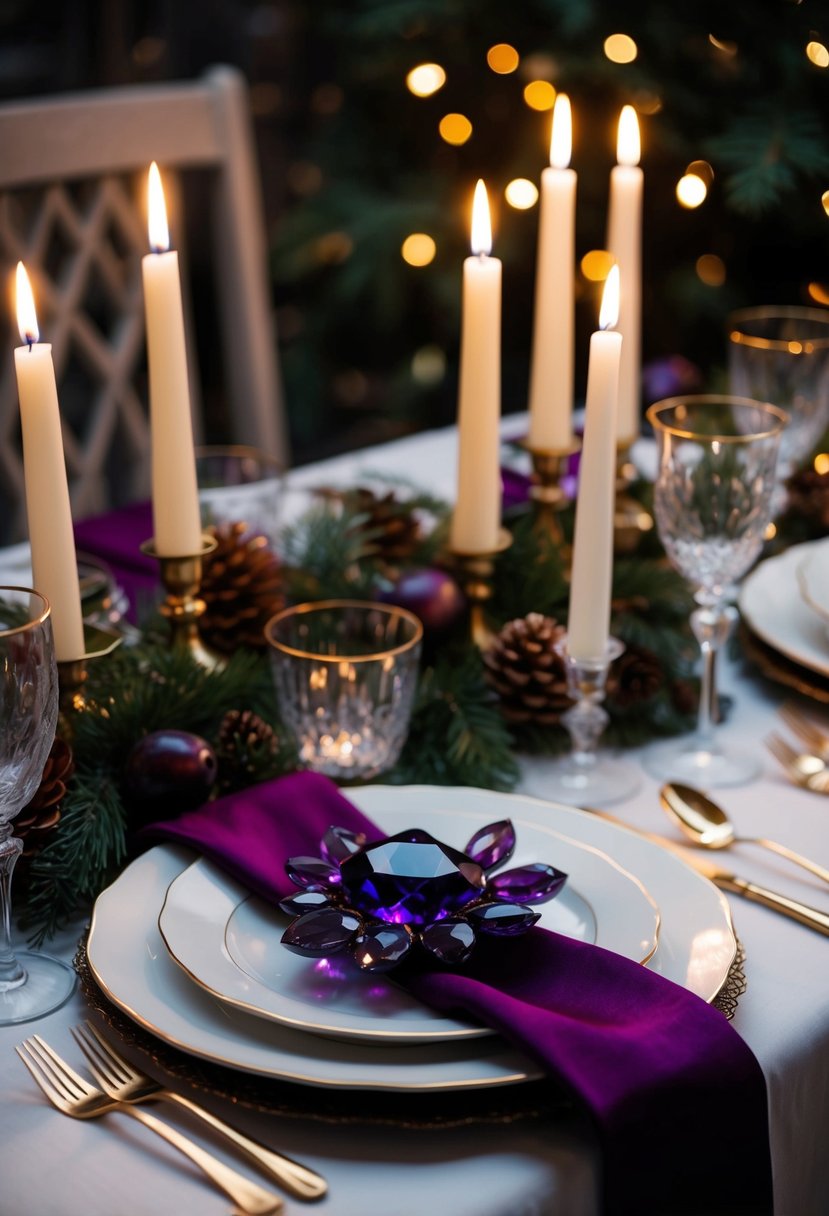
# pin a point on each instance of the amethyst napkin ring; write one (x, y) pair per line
(376, 901)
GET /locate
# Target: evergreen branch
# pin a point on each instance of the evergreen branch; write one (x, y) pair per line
(86, 851)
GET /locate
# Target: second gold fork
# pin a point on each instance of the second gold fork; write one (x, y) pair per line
(118, 1078)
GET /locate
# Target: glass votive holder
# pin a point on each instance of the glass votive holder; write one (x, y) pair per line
(240, 484)
(781, 354)
(346, 673)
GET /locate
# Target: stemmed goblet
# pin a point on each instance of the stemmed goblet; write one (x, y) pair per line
(712, 503)
(31, 983)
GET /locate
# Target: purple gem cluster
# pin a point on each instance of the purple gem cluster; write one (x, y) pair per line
(375, 901)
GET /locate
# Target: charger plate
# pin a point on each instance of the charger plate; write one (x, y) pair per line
(131, 966)
(229, 942)
(773, 607)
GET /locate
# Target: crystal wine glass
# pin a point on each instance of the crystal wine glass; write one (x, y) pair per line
(31, 983)
(712, 502)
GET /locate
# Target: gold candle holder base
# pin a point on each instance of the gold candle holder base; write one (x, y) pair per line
(72, 673)
(181, 578)
(475, 575)
(630, 518)
(548, 497)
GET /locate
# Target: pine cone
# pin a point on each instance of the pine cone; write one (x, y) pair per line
(527, 673)
(247, 749)
(809, 496)
(35, 823)
(241, 587)
(390, 528)
(636, 676)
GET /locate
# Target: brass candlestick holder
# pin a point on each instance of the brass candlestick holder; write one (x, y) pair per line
(72, 673)
(475, 574)
(630, 518)
(546, 492)
(181, 578)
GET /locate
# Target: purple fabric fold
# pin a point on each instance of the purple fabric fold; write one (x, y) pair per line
(116, 538)
(654, 1065)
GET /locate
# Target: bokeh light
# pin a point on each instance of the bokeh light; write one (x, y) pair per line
(821, 463)
(521, 193)
(425, 79)
(428, 365)
(540, 95)
(418, 249)
(596, 265)
(702, 169)
(728, 48)
(818, 54)
(503, 58)
(455, 129)
(711, 270)
(824, 198)
(819, 292)
(620, 48)
(691, 190)
(333, 248)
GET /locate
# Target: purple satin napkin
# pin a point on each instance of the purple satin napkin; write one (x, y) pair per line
(677, 1097)
(116, 538)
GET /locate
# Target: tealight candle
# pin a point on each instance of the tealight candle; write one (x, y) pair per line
(54, 565)
(551, 375)
(624, 241)
(477, 517)
(176, 519)
(588, 621)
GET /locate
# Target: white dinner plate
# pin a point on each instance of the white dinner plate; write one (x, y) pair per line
(773, 607)
(813, 580)
(229, 942)
(129, 961)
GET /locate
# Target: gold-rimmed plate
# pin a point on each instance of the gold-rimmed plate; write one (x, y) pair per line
(229, 942)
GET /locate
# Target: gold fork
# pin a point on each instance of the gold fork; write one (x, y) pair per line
(121, 1081)
(74, 1096)
(804, 769)
(810, 734)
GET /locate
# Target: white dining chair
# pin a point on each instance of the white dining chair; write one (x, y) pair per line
(73, 208)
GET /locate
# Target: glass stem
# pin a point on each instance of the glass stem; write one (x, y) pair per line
(711, 626)
(11, 972)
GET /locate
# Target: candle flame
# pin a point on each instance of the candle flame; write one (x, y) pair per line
(561, 140)
(628, 148)
(609, 311)
(26, 315)
(157, 212)
(481, 224)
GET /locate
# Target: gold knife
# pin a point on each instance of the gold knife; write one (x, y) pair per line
(813, 918)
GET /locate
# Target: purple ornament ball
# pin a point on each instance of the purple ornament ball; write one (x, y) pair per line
(169, 771)
(432, 595)
(670, 377)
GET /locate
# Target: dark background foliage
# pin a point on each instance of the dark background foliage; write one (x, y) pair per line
(352, 163)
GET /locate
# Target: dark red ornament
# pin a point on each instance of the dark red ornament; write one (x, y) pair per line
(432, 595)
(168, 772)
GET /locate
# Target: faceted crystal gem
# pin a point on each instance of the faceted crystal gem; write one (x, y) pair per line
(506, 920)
(451, 941)
(410, 878)
(339, 843)
(531, 884)
(304, 901)
(312, 872)
(383, 946)
(321, 932)
(492, 844)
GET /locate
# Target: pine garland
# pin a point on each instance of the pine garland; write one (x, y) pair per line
(458, 735)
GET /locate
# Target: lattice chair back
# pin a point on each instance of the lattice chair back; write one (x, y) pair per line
(72, 207)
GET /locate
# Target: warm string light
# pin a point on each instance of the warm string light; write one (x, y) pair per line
(425, 79)
(418, 249)
(539, 95)
(521, 193)
(455, 129)
(620, 48)
(691, 191)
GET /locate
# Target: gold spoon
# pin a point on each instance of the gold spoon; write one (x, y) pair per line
(704, 822)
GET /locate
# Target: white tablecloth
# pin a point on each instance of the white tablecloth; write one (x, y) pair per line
(53, 1166)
